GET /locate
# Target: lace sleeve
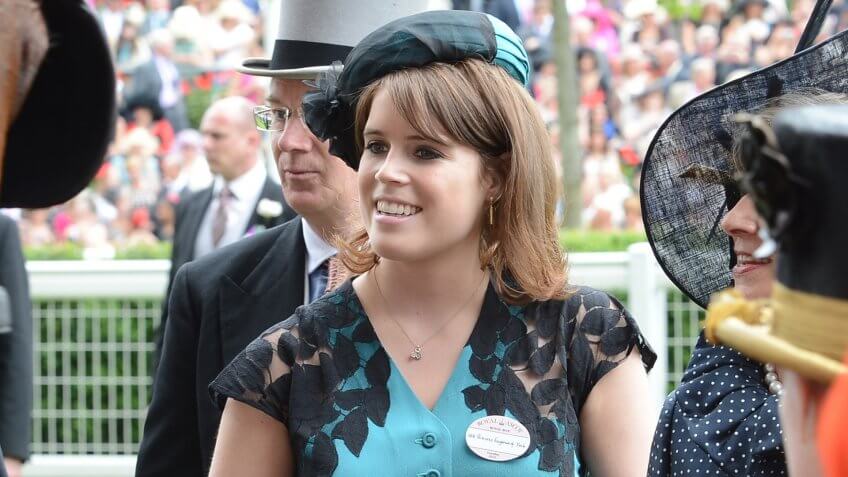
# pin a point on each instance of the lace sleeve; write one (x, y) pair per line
(260, 376)
(599, 333)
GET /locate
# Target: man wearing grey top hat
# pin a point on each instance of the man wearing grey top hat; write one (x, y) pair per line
(220, 302)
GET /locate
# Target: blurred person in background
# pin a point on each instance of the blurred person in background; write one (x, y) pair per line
(604, 37)
(706, 42)
(131, 50)
(227, 210)
(158, 15)
(733, 54)
(141, 232)
(537, 32)
(35, 228)
(597, 158)
(646, 114)
(505, 10)
(15, 352)
(669, 66)
(634, 77)
(187, 153)
(606, 206)
(158, 80)
(112, 15)
(191, 50)
(703, 78)
(232, 36)
(165, 217)
(147, 114)
(137, 167)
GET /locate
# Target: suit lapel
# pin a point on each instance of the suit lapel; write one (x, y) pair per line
(268, 295)
(270, 191)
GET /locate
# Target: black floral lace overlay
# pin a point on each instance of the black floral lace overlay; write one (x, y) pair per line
(540, 362)
(309, 373)
(323, 373)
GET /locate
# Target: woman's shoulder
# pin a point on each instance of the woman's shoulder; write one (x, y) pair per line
(579, 301)
(315, 324)
(299, 347)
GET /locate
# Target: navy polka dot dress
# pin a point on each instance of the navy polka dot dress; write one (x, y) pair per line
(721, 420)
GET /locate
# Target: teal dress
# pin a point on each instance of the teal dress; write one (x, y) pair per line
(350, 412)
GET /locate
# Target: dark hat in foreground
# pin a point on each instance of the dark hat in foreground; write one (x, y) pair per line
(58, 140)
(447, 36)
(796, 173)
(687, 177)
(313, 34)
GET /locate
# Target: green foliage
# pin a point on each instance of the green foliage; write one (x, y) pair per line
(571, 240)
(144, 251)
(60, 251)
(72, 251)
(679, 10)
(197, 100)
(598, 241)
(93, 358)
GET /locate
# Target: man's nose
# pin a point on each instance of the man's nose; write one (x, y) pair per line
(296, 137)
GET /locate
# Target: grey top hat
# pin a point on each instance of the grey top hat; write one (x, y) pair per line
(315, 33)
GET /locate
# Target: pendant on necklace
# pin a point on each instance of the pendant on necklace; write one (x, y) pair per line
(416, 354)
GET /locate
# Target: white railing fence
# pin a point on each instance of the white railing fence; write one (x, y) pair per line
(93, 336)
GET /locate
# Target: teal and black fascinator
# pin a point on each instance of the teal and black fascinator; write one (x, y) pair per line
(448, 36)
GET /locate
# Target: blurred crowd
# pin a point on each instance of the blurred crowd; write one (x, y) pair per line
(637, 60)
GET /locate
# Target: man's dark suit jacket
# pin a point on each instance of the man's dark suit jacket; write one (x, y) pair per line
(219, 303)
(15, 347)
(189, 216)
(145, 86)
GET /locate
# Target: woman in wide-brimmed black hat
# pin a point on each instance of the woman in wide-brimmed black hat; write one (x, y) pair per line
(706, 236)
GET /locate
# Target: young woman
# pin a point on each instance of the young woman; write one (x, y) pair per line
(461, 309)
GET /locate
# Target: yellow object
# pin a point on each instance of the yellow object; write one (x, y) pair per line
(796, 330)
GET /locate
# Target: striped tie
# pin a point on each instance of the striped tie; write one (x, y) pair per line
(219, 223)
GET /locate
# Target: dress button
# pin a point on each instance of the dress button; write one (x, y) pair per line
(429, 440)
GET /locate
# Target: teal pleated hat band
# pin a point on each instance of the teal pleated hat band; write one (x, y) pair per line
(446, 36)
(510, 55)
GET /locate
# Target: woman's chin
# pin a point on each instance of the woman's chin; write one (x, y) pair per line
(396, 249)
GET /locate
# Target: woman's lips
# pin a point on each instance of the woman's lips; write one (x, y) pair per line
(746, 264)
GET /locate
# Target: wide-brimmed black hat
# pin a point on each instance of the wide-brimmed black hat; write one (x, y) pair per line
(688, 175)
(313, 34)
(795, 172)
(58, 140)
(448, 36)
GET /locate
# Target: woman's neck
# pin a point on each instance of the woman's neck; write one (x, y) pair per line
(434, 286)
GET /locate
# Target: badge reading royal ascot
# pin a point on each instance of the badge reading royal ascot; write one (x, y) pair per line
(497, 438)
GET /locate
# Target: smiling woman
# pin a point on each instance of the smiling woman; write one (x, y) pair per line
(467, 140)
(460, 348)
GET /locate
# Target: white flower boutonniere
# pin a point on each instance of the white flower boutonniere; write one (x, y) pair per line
(269, 209)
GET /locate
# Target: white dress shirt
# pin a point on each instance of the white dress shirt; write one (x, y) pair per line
(170, 92)
(317, 252)
(246, 190)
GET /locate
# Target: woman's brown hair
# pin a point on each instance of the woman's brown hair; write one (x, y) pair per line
(477, 104)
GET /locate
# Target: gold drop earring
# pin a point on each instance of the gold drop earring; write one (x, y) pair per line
(491, 211)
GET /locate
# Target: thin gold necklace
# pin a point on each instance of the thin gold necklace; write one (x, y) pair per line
(418, 348)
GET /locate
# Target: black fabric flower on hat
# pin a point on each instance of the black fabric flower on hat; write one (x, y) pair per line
(767, 175)
(327, 114)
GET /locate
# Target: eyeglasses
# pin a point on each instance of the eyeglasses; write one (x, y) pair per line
(274, 119)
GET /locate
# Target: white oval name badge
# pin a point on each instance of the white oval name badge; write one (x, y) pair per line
(497, 438)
